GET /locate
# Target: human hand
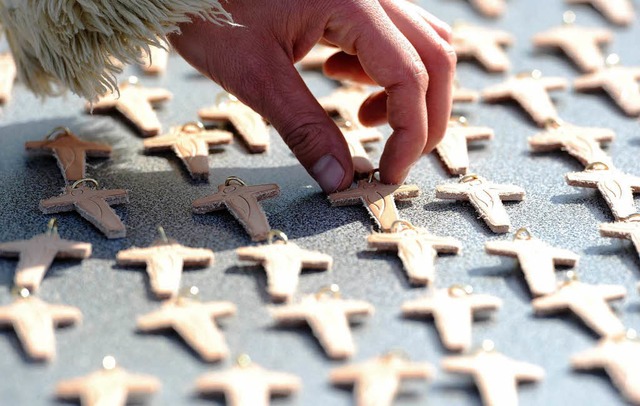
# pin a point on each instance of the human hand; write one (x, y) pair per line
(391, 43)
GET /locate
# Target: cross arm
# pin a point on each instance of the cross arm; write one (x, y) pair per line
(220, 309)
(315, 260)
(159, 319)
(589, 359)
(281, 383)
(484, 302)
(64, 315)
(459, 364)
(357, 307)
(528, 372)
(418, 307)
(137, 383)
(72, 388)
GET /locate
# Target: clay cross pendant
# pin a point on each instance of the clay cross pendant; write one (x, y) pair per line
(619, 12)
(537, 260)
(355, 138)
(37, 254)
(452, 310)
(249, 125)
(463, 95)
(34, 322)
(416, 247)
(164, 261)
(316, 58)
(588, 302)
(583, 143)
(194, 321)
(242, 201)
(191, 143)
(496, 375)
(93, 204)
(483, 44)
(620, 358)
(489, 8)
(155, 62)
(617, 188)
(580, 44)
(377, 381)
(530, 91)
(8, 73)
(248, 384)
(628, 228)
(328, 316)
(135, 103)
(70, 151)
(110, 386)
(378, 198)
(345, 102)
(486, 197)
(619, 82)
(453, 148)
(283, 261)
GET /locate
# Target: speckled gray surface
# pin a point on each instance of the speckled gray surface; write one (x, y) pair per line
(111, 297)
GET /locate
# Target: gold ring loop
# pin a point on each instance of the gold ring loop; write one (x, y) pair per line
(243, 360)
(597, 166)
(460, 290)
(332, 290)
(192, 124)
(634, 218)
(396, 353)
(163, 235)
(372, 175)
(21, 292)
(52, 226)
(570, 277)
(223, 98)
(523, 234)
(84, 180)
(56, 132)
(534, 74)
(133, 81)
(186, 294)
(553, 122)
(236, 179)
(109, 363)
(470, 178)
(397, 224)
(273, 234)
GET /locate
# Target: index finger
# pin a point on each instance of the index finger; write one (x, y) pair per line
(365, 30)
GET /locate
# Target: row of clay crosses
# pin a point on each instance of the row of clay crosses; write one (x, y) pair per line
(618, 12)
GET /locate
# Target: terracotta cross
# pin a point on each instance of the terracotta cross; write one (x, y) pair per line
(164, 261)
(34, 322)
(355, 138)
(249, 125)
(453, 147)
(377, 381)
(489, 8)
(194, 321)
(620, 357)
(463, 95)
(242, 201)
(537, 259)
(93, 204)
(316, 58)
(619, 82)
(248, 384)
(110, 386)
(416, 247)
(617, 188)
(283, 261)
(580, 44)
(345, 101)
(588, 302)
(583, 143)
(38, 253)
(135, 103)
(496, 375)
(483, 44)
(328, 316)
(486, 197)
(70, 151)
(619, 12)
(155, 61)
(531, 92)
(8, 73)
(452, 310)
(191, 143)
(378, 198)
(628, 228)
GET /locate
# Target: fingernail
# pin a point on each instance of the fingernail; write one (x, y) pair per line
(328, 172)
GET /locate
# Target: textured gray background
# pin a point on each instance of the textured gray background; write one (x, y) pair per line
(111, 297)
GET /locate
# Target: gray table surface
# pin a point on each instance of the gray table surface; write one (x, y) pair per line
(111, 297)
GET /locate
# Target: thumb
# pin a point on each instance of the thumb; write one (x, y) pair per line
(275, 90)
